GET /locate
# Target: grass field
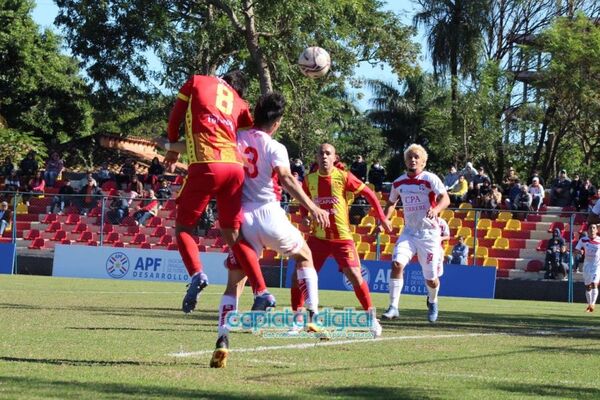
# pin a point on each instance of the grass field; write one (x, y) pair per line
(100, 339)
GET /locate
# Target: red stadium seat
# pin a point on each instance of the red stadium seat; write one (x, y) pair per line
(556, 225)
(155, 221)
(118, 244)
(58, 236)
(54, 226)
(132, 230)
(95, 212)
(37, 244)
(534, 266)
(128, 221)
(85, 237)
(112, 237)
(165, 240)
(73, 219)
(138, 239)
(32, 235)
(49, 218)
(159, 232)
(173, 246)
(107, 228)
(80, 227)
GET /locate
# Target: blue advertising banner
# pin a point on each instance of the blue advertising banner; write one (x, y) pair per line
(457, 281)
(7, 257)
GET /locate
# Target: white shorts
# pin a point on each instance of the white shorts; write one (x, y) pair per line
(268, 226)
(591, 274)
(427, 247)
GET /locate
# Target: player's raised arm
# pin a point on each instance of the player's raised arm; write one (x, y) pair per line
(372, 199)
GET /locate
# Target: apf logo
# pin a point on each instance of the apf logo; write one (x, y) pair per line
(365, 275)
(117, 265)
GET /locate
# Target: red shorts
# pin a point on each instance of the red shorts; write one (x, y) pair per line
(223, 181)
(343, 251)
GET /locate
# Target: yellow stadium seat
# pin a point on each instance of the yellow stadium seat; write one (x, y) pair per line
(447, 214)
(470, 241)
(490, 262)
(493, 233)
(388, 249)
(384, 239)
(368, 220)
(484, 223)
(22, 208)
(352, 228)
(370, 255)
(504, 216)
(397, 222)
(501, 244)
(455, 223)
(513, 225)
(363, 248)
(463, 206)
(481, 252)
(463, 231)
(448, 251)
(356, 237)
(470, 215)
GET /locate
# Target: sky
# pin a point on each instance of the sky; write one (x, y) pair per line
(46, 11)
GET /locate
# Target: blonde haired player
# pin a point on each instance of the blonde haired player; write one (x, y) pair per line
(590, 247)
(423, 197)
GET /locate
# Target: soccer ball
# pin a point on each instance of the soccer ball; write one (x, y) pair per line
(314, 62)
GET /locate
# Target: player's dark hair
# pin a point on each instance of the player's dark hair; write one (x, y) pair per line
(269, 108)
(238, 80)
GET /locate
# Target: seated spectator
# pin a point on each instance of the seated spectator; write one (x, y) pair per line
(451, 177)
(90, 194)
(522, 203)
(475, 186)
(54, 167)
(147, 209)
(163, 193)
(359, 208)
(28, 166)
(359, 168)
(560, 193)
(555, 251)
(491, 202)
(104, 175)
(7, 168)
(468, 172)
(514, 188)
(509, 180)
(583, 195)
(298, 168)
(460, 253)
(135, 185)
(12, 183)
(207, 220)
(536, 190)
(458, 192)
(118, 208)
(5, 217)
(485, 192)
(155, 171)
(536, 174)
(36, 186)
(127, 171)
(63, 198)
(377, 175)
(80, 184)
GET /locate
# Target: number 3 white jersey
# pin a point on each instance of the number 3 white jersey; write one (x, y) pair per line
(261, 155)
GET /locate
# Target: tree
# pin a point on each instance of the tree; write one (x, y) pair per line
(41, 93)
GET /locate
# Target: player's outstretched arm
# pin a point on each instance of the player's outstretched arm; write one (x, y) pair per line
(368, 194)
(292, 186)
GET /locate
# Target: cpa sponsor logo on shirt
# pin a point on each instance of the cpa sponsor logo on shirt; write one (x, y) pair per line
(365, 275)
(326, 200)
(117, 265)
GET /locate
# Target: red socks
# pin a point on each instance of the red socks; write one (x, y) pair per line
(248, 260)
(363, 295)
(189, 252)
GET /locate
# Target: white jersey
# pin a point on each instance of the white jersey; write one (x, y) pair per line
(261, 155)
(591, 250)
(596, 208)
(418, 194)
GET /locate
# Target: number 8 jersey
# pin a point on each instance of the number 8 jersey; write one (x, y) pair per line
(261, 155)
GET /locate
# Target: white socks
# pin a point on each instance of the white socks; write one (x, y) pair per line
(592, 296)
(228, 303)
(433, 293)
(395, 290)
(308, 282)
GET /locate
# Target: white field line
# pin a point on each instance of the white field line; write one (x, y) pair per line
(299, 346)
(113, 292)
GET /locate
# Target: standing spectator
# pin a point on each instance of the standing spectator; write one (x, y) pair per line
(536, 190)
(560, 194)
(468, 172)
(5, 217)
(522, 202)
(54, 167)
(460, 253)
(377, 175)
(451, 178)
(104, 174)
(36, 186)
(458, 192)
(555, 251)
(118, 208)
(359, 168)
(359, 208)
(155, 171)
(163, 192)
(28, 166)
(477, 183)
(586, 191)
(63, 198)
(147, 209)
(12, 183)
(7, 168)
(576, 185)
(509, 180)
(297, 167)
(127, 170)
(90, 194)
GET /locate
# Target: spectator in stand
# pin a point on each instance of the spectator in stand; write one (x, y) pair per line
(147, 209)
(460, 253)
(536, 174)
(155, 171)
(359, 168)
(522, 203)
(509, 180)
(583, 195)
(491, 201)
(536, 190)
(475, 186)
(28, 166)
(377, 175)
(12, 183)
(104, 175)
(135, 185)
(7, 168)
(5, 217)
(90, 194)
(118, 208)
(298, 168)
(576, 185)
(560, 194)
(451, 177)
(593, 200)
(163, 193)
(63, 198)
(359, 208)
(468, 172)
(555, 251)
(127, 170)
(36, 186)
(514, 188)
(54, 167)
(458, 192)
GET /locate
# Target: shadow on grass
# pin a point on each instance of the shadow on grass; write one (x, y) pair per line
(374, 392)
(554, 391)
(46, 388)
(123, 328)
(92, 363)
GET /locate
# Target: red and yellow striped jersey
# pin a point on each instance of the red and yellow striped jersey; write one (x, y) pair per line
(213, 113)
(329, 193)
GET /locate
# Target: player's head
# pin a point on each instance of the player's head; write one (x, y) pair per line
(268, 111)
(592, 230)
(237, 80)
(326, 158)
(415, 158)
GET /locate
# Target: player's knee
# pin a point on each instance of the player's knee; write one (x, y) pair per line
(397, 267)
(432, 283)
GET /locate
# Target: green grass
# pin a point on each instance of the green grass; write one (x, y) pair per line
(100, 339)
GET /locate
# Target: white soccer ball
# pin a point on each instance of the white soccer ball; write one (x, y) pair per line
(314, 62)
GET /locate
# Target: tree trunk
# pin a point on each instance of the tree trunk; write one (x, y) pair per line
(542, 138)
(264, 74)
